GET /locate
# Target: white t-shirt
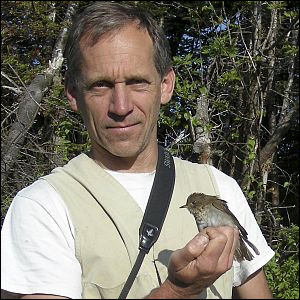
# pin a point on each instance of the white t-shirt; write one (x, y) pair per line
(38, 255)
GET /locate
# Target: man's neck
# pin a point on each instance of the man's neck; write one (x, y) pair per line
(143, 162)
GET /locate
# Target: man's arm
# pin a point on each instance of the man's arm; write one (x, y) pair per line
(256, 287)
(9, 295)
(42, 296)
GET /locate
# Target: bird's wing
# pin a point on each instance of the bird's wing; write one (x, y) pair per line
(222, 205)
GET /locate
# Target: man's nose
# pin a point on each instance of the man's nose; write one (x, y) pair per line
(121, 103)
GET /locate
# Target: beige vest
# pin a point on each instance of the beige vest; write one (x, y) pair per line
(107, 219)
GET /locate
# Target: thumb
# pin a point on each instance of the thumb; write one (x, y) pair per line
(182, 257)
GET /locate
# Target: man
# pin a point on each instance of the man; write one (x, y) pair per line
(74, 233)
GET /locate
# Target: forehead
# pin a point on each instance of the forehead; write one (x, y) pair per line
(129, 45)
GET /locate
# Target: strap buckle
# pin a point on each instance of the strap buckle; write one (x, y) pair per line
(148, 237)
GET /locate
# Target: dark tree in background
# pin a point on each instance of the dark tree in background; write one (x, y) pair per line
(235, 105)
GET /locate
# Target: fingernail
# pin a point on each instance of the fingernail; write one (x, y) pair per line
(203, 239)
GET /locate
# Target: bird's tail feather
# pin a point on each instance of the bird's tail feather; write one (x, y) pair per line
(251, 245)
(242, 252)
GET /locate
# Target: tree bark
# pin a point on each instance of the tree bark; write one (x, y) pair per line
(202, 142)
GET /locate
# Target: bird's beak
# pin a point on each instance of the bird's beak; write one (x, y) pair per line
(183, 206)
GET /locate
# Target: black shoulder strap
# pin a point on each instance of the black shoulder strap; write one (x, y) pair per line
(155, 213)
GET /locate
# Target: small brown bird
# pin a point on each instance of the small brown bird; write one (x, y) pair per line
(210, 211)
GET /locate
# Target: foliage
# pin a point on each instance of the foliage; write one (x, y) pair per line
(282, 271)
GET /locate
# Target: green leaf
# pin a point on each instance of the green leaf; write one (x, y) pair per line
(251, 156)
(203, 90)
(286, 184)
(187, 116)
(251, 144)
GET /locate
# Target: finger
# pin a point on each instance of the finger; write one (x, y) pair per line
(226, 258)
(236, 241)
(217, 243)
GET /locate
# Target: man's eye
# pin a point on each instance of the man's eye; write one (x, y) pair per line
(138, 82)
(102, 84)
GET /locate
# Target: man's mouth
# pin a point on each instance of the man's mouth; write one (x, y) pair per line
(122, 128)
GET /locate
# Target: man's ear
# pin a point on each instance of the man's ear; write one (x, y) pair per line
(167, 87)
(71, 96)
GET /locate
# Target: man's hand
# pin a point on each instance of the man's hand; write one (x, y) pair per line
(200, 263)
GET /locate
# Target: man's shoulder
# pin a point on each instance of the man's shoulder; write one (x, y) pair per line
(37, 201)
(193, 169)
(189, 164)
(192, 165)
(37, 188)
(41, 188)
(39, 193)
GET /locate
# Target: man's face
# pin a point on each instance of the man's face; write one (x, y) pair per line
(123, 92)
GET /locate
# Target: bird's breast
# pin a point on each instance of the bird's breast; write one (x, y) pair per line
(213, 217)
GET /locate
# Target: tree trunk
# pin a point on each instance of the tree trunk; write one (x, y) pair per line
(289, 111)
(202, 142)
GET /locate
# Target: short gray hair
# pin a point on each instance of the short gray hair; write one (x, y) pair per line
(103, 17)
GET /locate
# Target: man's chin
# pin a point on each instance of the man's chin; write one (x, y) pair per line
(125, 150)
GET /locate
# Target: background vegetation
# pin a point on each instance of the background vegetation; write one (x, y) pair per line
(235, 105)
